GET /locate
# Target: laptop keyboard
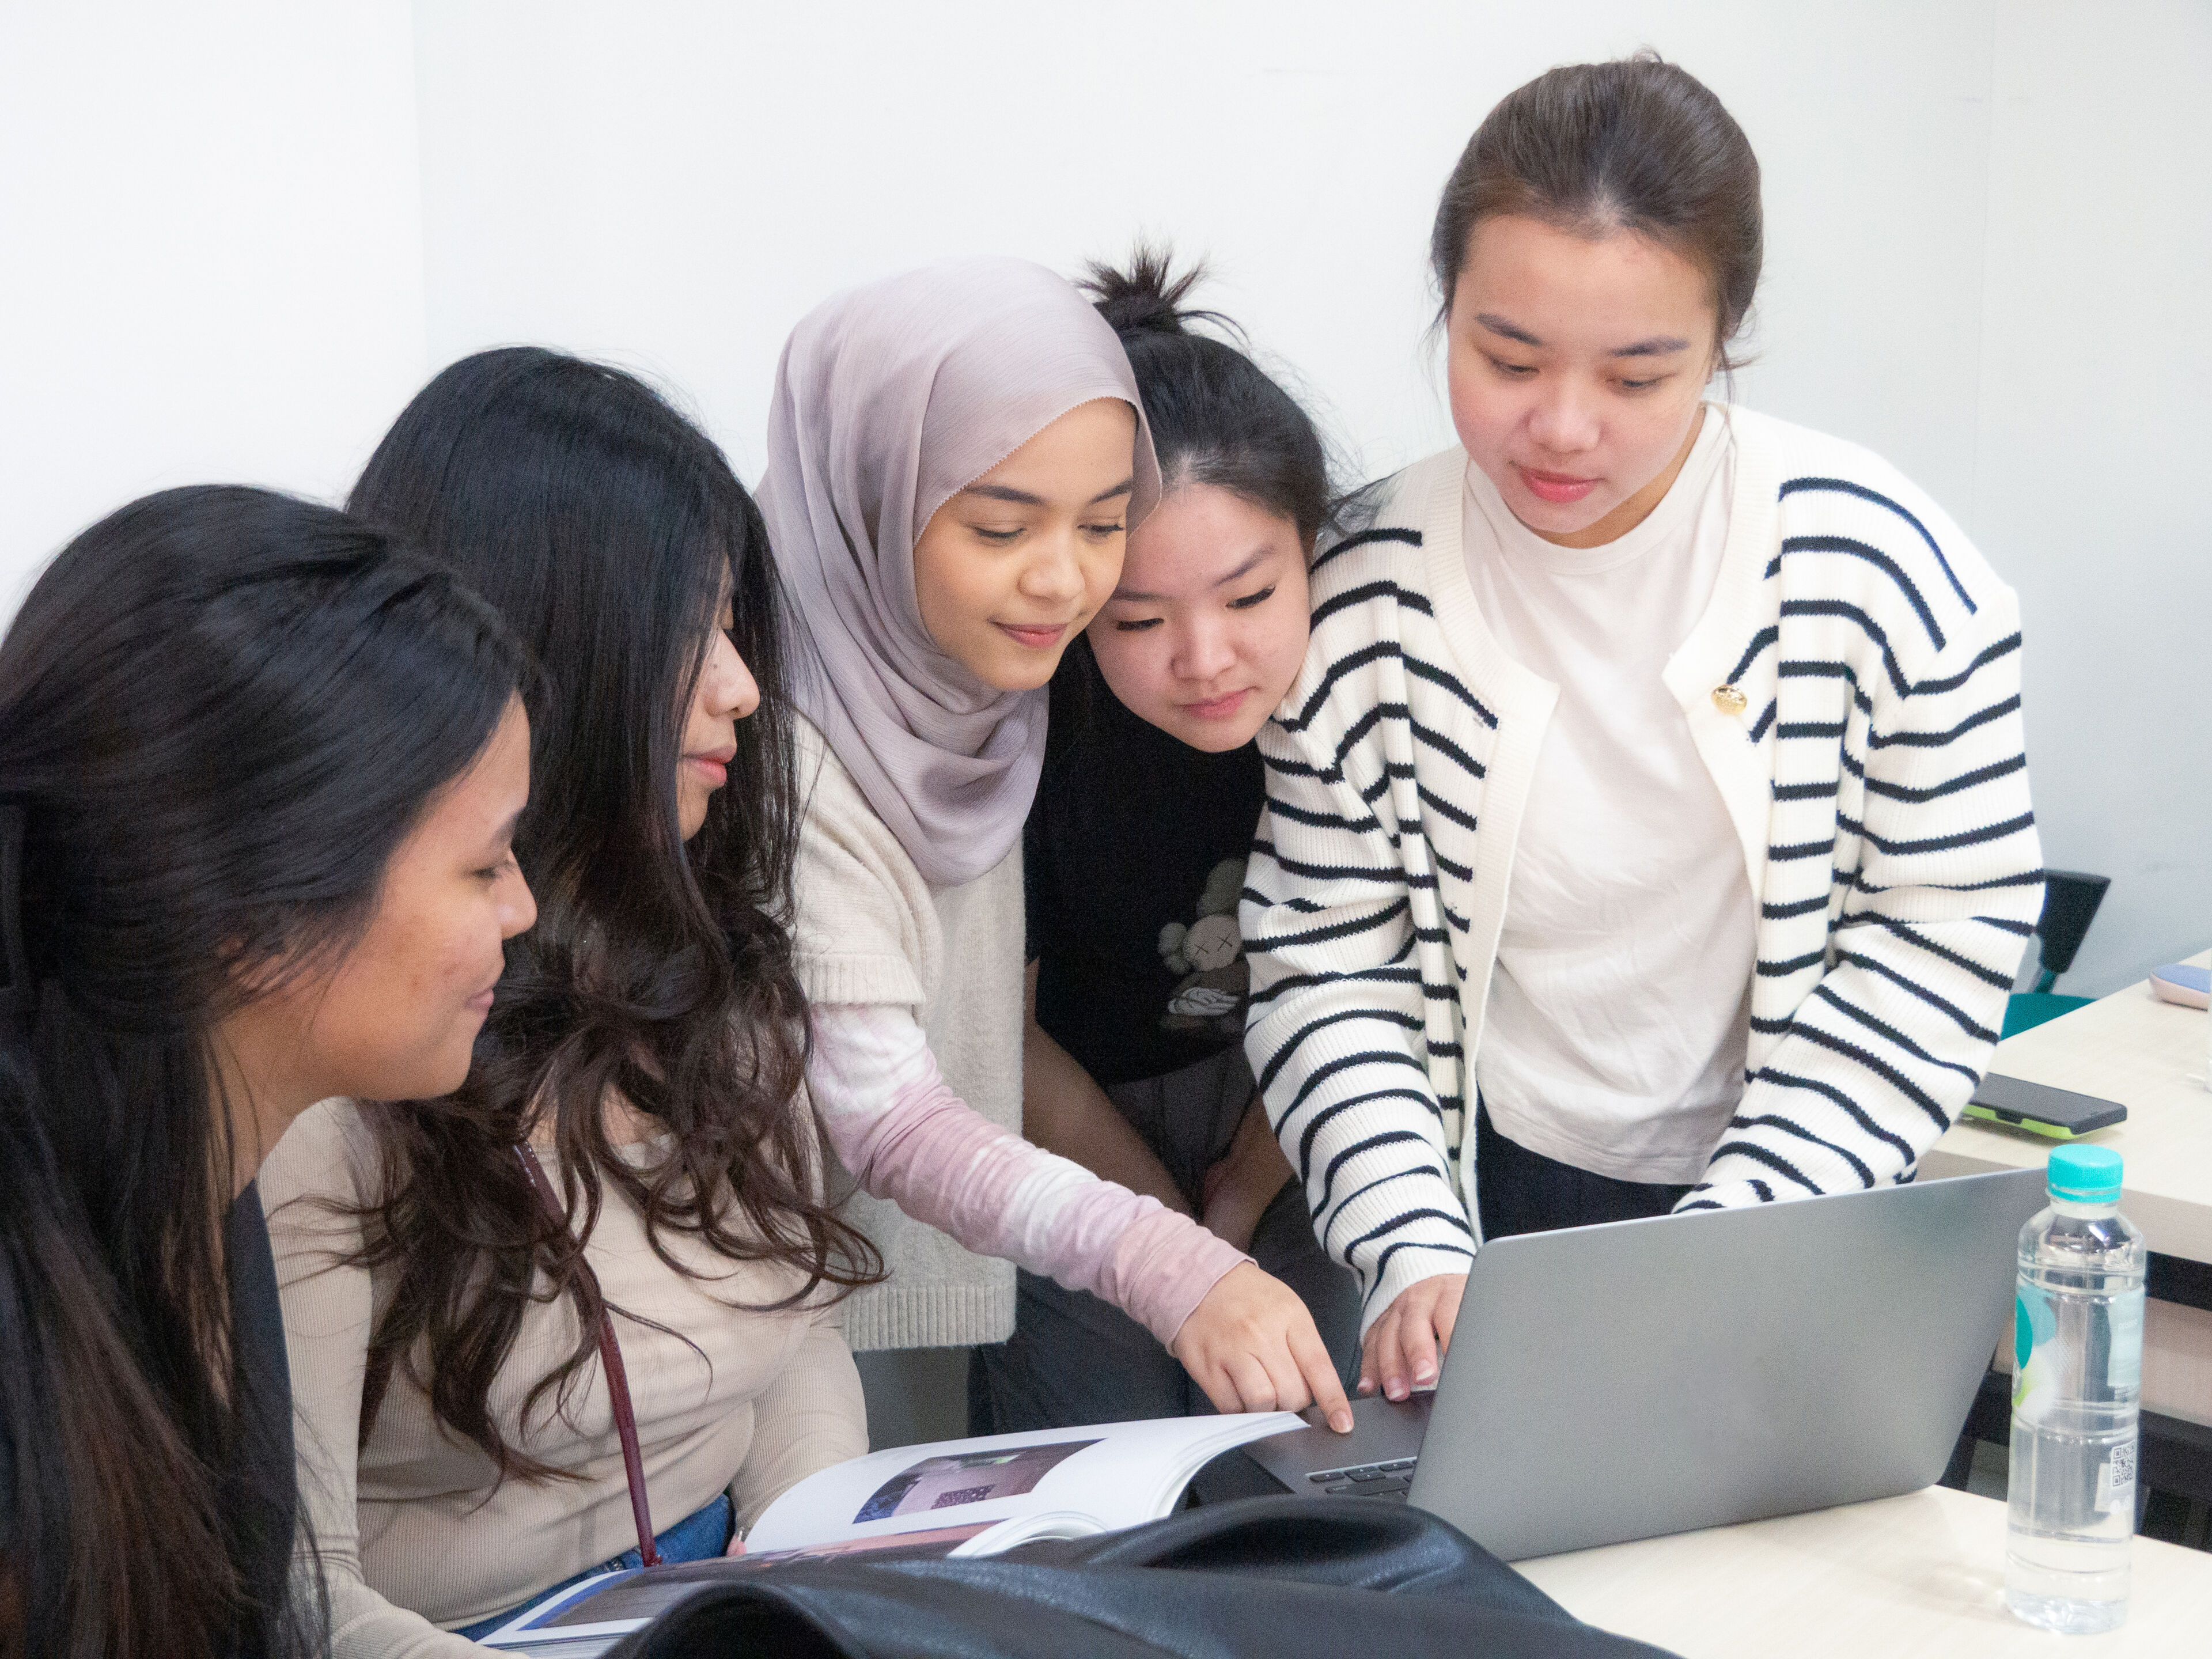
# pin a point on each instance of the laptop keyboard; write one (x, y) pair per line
(1392, 1480)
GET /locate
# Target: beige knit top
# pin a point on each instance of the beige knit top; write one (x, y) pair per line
(871, 931)
(411, 1532)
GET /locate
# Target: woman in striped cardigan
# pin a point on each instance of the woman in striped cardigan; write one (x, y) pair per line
(1649, 827)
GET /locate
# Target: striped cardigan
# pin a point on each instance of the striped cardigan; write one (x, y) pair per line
(1853, 688)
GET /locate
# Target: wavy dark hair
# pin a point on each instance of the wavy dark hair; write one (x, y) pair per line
(600, 523)
(221, 712)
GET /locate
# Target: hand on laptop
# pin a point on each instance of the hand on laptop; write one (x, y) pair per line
(1404, 1350)
(1251, 1345)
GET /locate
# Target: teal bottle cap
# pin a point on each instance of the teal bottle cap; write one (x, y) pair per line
(2085, 1175)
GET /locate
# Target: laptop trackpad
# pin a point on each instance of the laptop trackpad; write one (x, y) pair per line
(1382, 1433)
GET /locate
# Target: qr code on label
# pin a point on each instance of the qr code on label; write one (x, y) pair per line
(2115, 1479)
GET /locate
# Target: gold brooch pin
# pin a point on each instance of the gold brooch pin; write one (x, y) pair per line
(1728, 700)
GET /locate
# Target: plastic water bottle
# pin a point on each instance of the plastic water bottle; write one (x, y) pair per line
(2077, 1386)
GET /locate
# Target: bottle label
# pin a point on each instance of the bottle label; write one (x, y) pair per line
(2034, 1371)
(2044, 1361)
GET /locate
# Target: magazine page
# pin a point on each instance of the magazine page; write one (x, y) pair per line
(1117, 1474)
(954, 1497)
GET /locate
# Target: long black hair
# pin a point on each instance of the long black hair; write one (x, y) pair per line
(221, 712)
(603, 526)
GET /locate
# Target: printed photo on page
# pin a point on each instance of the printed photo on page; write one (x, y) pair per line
(948, 1482)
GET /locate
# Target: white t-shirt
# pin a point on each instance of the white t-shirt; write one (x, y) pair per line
(1619, 1008)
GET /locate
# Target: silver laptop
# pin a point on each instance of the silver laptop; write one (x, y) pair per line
(1642, 1377)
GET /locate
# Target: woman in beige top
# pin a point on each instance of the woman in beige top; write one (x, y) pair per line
(458, 1453)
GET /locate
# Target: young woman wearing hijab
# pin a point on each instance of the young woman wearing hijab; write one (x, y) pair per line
(460, 1453)
(954, 455)
(1686, 743)
(284, 876)
(1133, 859)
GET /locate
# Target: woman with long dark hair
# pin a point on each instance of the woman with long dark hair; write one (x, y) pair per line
(259, 772)
(461, 1454)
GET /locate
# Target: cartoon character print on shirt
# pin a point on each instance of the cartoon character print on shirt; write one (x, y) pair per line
(1210, 955)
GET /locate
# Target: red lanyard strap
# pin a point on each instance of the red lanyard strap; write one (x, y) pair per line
(610, 1361)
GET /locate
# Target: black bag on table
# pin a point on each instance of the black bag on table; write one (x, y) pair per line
(1277, 1577)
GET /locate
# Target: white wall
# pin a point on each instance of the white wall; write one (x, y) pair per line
(676, 185)
(2095, 446)
(1986, 236)
(211, 252)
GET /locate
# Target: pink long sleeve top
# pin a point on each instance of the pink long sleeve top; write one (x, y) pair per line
(906, 1137)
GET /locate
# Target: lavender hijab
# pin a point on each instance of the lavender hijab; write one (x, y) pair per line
(891, 399)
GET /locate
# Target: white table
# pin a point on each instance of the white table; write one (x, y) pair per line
(2149, 1055)
(1901, 1576)
(1924, 1573)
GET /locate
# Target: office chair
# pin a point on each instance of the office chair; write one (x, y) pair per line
(2070, 899)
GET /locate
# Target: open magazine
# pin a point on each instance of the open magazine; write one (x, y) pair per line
(953, 1498)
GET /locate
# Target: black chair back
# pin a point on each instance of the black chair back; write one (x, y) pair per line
(2070, 899)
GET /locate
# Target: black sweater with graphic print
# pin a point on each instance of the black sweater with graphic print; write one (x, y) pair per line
(1134, 857)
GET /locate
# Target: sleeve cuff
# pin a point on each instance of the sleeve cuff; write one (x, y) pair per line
(1408, 1265)
(831, 978)
(1171, 1263)
(1735, 1195)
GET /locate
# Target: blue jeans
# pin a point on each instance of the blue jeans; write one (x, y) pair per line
(699, 1537)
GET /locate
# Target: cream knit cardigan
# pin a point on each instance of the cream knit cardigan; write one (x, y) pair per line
(871, 931)
(1853, 688)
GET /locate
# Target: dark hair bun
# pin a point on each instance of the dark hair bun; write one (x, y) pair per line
(1147, 297)
(1216, 416)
